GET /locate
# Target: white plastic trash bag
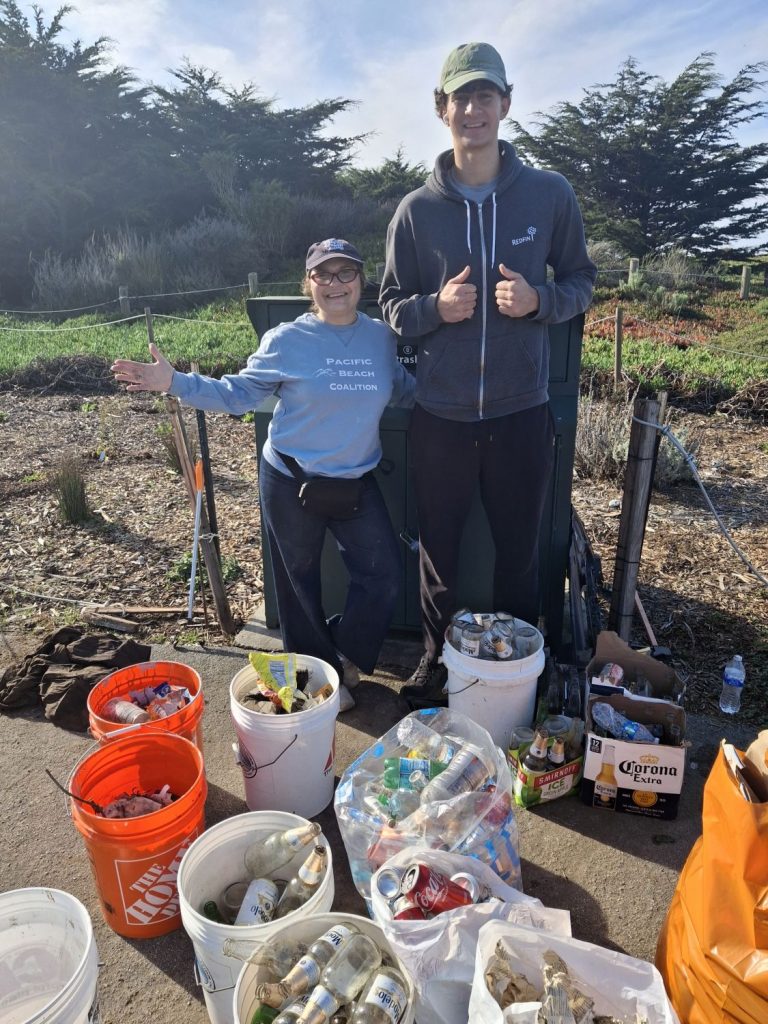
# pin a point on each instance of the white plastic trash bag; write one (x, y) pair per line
(621, 986)
(479, 823)
(440, 953)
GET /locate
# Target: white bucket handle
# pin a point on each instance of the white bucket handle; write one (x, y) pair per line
(452, 693)
(249, 766)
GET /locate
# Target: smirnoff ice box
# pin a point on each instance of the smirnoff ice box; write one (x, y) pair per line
(635, 778)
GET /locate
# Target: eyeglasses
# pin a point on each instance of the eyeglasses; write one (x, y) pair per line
(344, 276)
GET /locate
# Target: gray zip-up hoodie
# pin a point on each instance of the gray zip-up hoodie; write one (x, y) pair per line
(491, 364)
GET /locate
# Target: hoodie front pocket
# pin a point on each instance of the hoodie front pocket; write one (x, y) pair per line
(515, 364)
(451, 375)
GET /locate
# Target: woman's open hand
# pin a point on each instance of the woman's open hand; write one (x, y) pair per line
(155, 376)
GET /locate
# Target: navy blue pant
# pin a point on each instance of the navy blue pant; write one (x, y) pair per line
(509, 459)
(370, 553)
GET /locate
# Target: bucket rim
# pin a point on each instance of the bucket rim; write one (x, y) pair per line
(232, 821)
(90, 946)
(142, 665)
(290, 717)
(84, 815)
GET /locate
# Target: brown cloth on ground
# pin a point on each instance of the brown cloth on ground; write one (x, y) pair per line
(63, 671)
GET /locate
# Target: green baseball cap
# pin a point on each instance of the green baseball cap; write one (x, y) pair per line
(471, 62)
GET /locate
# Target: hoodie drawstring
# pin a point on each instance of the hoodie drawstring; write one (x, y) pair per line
(493, 235)
(469, 225)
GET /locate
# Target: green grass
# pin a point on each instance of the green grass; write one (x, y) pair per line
(220, 344)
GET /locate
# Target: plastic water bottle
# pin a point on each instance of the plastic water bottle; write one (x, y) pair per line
(733, 683)
(619, 726)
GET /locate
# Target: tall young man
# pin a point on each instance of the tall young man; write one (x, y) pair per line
(466, 274)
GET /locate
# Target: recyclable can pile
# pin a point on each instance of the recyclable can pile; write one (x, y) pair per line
(147, 704)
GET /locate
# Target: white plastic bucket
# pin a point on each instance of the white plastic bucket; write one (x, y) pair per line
(495, 694)
(48, 961)
(214, 861)
(306, 931)
(287, 760)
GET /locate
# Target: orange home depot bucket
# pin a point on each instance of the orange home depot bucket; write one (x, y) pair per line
(187, 722)
(135, 860)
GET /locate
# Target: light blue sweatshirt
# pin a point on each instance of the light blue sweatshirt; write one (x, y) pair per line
(332, 383)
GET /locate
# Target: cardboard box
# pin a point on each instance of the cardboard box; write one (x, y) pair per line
(646, 778)
(610, 647)
(531, 788)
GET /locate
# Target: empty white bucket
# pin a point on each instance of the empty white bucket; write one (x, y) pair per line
(306, 931)
(287, 760)
(48, 961)
(495, 694)
(214, 861)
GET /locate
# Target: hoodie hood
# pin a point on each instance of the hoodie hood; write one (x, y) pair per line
(439, 180)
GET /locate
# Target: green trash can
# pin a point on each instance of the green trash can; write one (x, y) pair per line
(475, 588)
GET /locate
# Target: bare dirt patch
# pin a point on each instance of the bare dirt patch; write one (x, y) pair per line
(701, 600)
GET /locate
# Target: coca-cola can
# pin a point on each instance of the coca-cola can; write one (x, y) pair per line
(479, 892)
(432, 890)
(404, 909)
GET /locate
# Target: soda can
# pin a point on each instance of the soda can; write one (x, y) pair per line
(404, 909)
(480, 893)
(388, 883)
(458, 621)
(470, 640)
(432, 890)
(259, 904)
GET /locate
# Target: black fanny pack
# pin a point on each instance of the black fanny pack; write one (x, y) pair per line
(327, 496)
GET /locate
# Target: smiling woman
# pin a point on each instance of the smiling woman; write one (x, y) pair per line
(334, 371)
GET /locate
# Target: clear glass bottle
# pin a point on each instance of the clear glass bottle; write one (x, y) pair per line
(305, 884)
(306, 972)
(265, 856)
(734, 676)
(291, 1013)
(342, 979)
(424, 742)
(384, 999)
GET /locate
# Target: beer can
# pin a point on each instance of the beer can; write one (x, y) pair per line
(480, 893)
(432, 890)
(388, 883)
(404, 909)
(258, 907)
(470, 640)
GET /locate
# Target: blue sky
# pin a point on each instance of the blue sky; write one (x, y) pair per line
(387, 56)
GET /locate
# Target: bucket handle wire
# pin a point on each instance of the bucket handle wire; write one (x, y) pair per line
(452, 693)
(249, 766)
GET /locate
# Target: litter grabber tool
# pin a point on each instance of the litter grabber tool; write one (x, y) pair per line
(196, 538)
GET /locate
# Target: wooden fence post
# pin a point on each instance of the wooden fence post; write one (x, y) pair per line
(253, 284)
(634, 268)
(634, 513)
(618, 336)
(125, 302)
(746, 277)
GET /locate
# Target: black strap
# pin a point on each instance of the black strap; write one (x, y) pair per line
(299, 473)
(293, 465)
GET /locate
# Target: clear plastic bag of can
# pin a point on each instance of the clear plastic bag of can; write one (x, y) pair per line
(477, 822)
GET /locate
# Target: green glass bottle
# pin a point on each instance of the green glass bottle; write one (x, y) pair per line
(264, 1015)
(212, 912)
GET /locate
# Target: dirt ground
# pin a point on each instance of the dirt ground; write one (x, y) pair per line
(700, 598)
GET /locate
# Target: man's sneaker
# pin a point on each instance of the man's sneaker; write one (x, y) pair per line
(425, 687)
(350, 672)
(346, 700)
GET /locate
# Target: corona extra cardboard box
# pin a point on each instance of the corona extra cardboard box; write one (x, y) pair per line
(636, 778)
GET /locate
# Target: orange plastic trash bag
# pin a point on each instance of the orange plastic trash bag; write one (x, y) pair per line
(713, 947)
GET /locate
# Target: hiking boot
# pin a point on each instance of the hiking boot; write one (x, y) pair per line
(350, 672)
(425, 687)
